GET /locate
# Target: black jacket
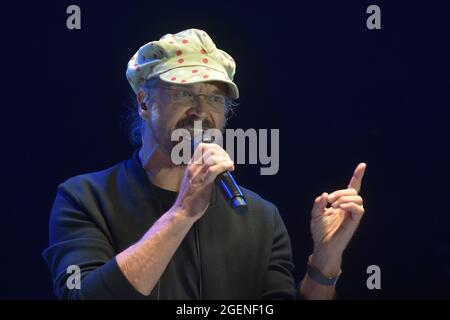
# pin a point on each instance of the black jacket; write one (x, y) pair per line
(225, 255)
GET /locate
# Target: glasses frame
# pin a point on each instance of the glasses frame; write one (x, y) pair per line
(208, 97)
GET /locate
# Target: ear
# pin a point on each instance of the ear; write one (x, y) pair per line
(143, 107)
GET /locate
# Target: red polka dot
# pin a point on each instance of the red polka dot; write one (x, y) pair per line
(203, 51)
(205, 76)
(205, 60)
(180, 60)
(138, 69)
(194, 71)
(179, 53)
(183, 80)
(173, 78)
(141, 79)
(171, 42)
(185, 41)
(204, 34)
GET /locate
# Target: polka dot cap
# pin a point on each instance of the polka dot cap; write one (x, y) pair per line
(187, 57)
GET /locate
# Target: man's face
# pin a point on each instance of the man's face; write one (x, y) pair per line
(179, 106)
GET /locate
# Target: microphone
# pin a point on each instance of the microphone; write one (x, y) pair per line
(231, 191)
(228, 185)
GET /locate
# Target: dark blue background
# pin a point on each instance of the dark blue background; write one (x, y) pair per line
(338, 92)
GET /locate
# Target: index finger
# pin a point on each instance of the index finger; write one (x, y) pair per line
(355, 181)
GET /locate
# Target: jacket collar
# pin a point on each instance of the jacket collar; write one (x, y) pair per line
(139, 174)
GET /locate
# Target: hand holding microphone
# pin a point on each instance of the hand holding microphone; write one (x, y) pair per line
(209, 161)
(229, 187)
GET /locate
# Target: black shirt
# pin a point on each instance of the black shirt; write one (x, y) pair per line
(225, 255)
(166, 197)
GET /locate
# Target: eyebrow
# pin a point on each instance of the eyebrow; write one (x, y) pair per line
(218, 91)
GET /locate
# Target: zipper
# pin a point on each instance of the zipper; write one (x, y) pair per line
(199, 260)
(159, 280)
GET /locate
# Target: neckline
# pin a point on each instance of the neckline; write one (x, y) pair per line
(149, 189)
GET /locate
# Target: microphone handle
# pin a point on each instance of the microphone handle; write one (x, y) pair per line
(231, 191)
(228, 185)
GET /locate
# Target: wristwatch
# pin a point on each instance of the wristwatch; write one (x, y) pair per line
(319, 277)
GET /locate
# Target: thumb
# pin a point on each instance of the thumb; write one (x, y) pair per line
(320, 203)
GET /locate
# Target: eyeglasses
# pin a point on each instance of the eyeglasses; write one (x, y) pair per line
(186, 97)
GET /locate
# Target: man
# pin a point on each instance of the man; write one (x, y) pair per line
(149, 229)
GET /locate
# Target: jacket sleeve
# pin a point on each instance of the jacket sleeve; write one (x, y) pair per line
(75, 238)
(280, 283)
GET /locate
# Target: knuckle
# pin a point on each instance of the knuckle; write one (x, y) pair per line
(190, 171)
(317, 200)
(215, 145)
(225, 165)
(210, 160)
(220, 150)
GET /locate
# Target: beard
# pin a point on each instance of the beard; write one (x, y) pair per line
(163, 135)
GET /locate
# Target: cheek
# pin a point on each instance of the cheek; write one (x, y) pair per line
(174, 116)
(219, 119)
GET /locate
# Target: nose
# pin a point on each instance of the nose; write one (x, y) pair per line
(199, 107)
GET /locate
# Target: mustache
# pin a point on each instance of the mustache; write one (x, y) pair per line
(188, 122)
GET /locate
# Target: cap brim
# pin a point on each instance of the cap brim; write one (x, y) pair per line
(197, 74)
